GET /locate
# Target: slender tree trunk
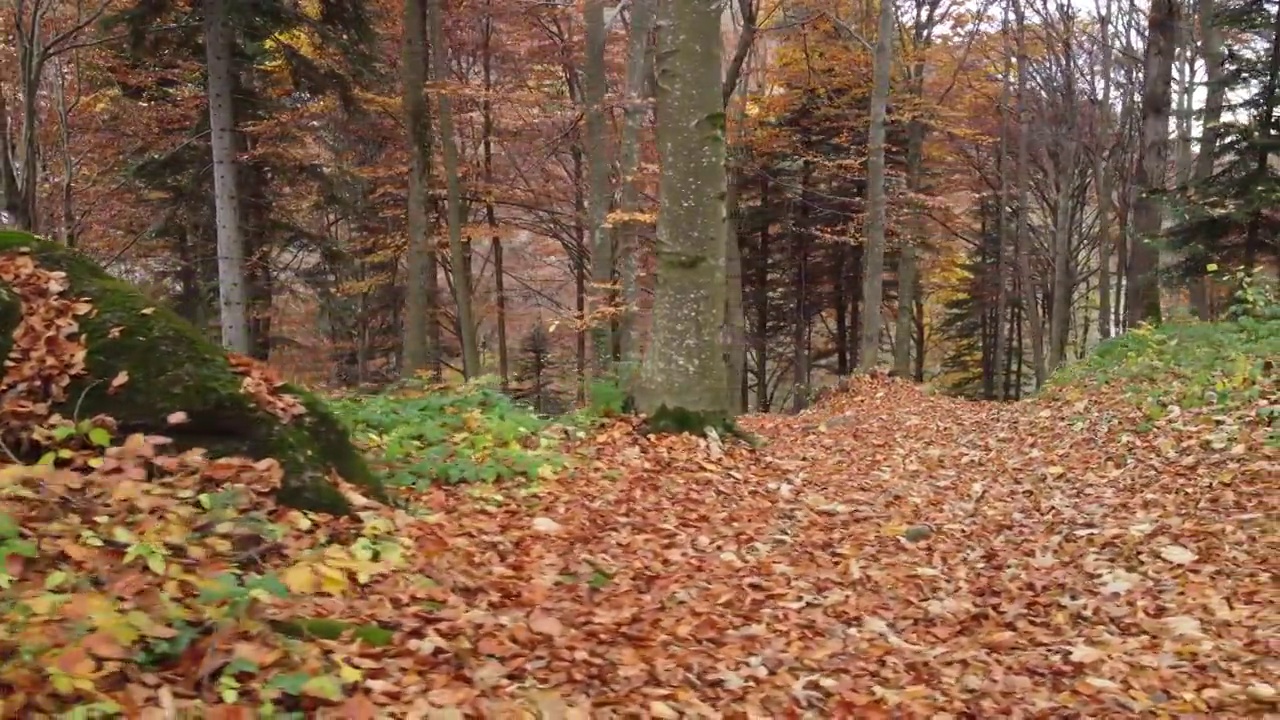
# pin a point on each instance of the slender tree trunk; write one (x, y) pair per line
(453, 185)
(1063, 274)
(873, 256)
(232, 285)
(1102, 181)
(421, 343)
(598, 190)
(1002, 231)
(761, 291)
(735, 355)
(800, 309)
(486, 110)
(904, 329)
(684, 369)
(735, 320)
(1030, 308)
(1215, 98)
(1143, 292)
(627, 229)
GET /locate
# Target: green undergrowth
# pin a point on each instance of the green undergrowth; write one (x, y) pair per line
(1226, 367)
(420, 435)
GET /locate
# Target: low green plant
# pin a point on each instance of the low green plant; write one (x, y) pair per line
(1228, 365)
(422, 434)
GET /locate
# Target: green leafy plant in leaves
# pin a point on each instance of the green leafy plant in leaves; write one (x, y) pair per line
(474, 433)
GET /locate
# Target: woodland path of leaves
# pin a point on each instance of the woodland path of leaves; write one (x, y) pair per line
(889, 554)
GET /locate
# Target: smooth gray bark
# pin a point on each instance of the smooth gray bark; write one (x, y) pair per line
(873, 254)
(683, 366)
(626, 228)
(232, 286)
(598, 190)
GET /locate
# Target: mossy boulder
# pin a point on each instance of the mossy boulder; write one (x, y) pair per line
(172, 368)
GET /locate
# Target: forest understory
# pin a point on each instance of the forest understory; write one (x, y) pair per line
(889, 553)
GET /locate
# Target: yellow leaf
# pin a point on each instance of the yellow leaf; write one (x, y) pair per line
(301, 579)
(332, 581)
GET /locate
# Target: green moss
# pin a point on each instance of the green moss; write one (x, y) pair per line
(172, 367)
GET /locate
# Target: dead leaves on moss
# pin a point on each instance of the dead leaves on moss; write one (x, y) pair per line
(263, 385)
(47, 350)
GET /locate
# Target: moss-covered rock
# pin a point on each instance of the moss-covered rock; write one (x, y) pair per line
(173, 367)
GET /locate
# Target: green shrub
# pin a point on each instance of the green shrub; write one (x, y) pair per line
(420, 435)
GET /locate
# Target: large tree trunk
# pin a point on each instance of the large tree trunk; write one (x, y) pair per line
(873, 257)
(598, 190)
(421, 320)
(457, 253)
(1215, 97)
(232, 286)
(1030, 308)
(627, 228)
(683, 376)
(1143, 292)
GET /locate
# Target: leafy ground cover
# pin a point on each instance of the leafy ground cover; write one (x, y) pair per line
(887, 554)
(421, 434)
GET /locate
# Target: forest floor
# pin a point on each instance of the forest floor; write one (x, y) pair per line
(890, 553)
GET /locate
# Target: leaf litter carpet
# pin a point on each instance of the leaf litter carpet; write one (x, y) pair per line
(888, 554)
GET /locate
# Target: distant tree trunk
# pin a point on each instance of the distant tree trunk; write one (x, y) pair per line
(761, 291)
(627, 229)
(1102, 180)
(1215, 98)
(457, 252)
(684, 369)
(735, 320)
(421, 327)
(486, 110)
(1143, 292)
(232, 285)
(735, 355)
(873, 256)
(905, 319)
(800, 310)
(1002, 232)
(1030, 308)
(598, 190)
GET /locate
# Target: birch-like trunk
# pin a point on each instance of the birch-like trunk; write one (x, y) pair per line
(457, 253)
(873, 256)
(232, 287)
(627, 228)
(1143, 292)
(598, 190)
(684, 369)
(421, 317)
